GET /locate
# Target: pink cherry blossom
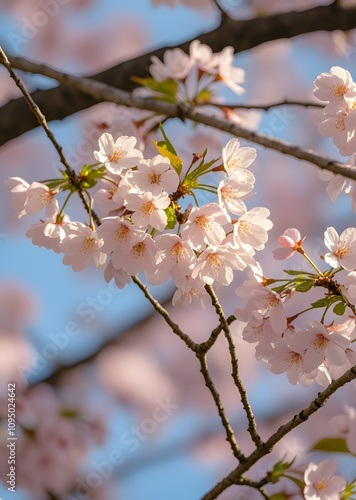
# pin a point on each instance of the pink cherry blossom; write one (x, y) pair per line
(217, 263)
(291, 241)
(143, 255)
(48, 233)
(203, 56)
(334, 87)
(148, 209)
(32, 199)
(204, 226)
(250, 231)
(18, 188)
(232, 192)
(118, 155)
(236, 158)
(320, 344)
(321, 482)
(189, 290)
(342, 248)
(120, 276)
(176, 65)
(346, 424)
(81, 246)
(177, 258)
(228, 74)
(341, 127)
(285, 359)
(155, 175)
(117, 234)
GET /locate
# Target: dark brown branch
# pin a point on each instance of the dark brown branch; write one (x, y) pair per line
(252, 429)
(230, 436)
(183, 111)
(235, 476)
(266, 107)
(165, 315)
(63, 101)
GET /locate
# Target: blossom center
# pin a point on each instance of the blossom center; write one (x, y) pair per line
(340, 122)
(139, 249)
(45, 198)
(245, 227)
(320, 342)
(88, 245)
(215, 260)
(319, 485)
(116, 155)
(154, 178)
(148, 208)
(122, 233)
(342, 251)
(229, 193)
(340, 90)
(203, 222)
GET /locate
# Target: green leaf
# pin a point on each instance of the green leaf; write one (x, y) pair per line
(176, 162)
(279, 469)
(280, 288)
(169, 145)
(171, 217)
(325, 301)
(292, 272)
(304, 286)
(167, 87)
(339, 308)
(333, 445)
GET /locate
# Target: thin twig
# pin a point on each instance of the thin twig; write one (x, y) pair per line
(208, 344)
(235, 476)
(43, 122)
(252, 429)
(165, 315)
(230, 436)
(105, 92)
(267, 107)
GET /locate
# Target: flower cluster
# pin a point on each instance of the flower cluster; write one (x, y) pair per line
(192, 77)
(337, 119)
(144, 229)
(319, 351)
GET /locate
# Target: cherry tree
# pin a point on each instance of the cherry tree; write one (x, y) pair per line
(198, 169)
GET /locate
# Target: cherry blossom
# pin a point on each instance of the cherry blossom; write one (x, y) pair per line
(120, 276)
(236, 158)
(189, 290)
(81, 246)
(48, 233)
(176, 65)
(177, 258)
(148, 209)
(118, 155)
(32, 199)
(216, 263)
(334, 87)
(228, 74)
(232, 192)
(142, 256)
(204, 226)
(321, 482)
(204, 57)
(250, 231)
(320, 343)
(291, 241)
(346, 424)
(285, 359)
(155, 175)
(342, 248)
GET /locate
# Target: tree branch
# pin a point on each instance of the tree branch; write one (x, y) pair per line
(235, 476)
(63, 101)
(230, 436)
(183, 111)
(43, 123)
(252, 429)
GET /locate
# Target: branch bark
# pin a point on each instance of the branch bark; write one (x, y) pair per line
(63, 101)
(105, 92)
